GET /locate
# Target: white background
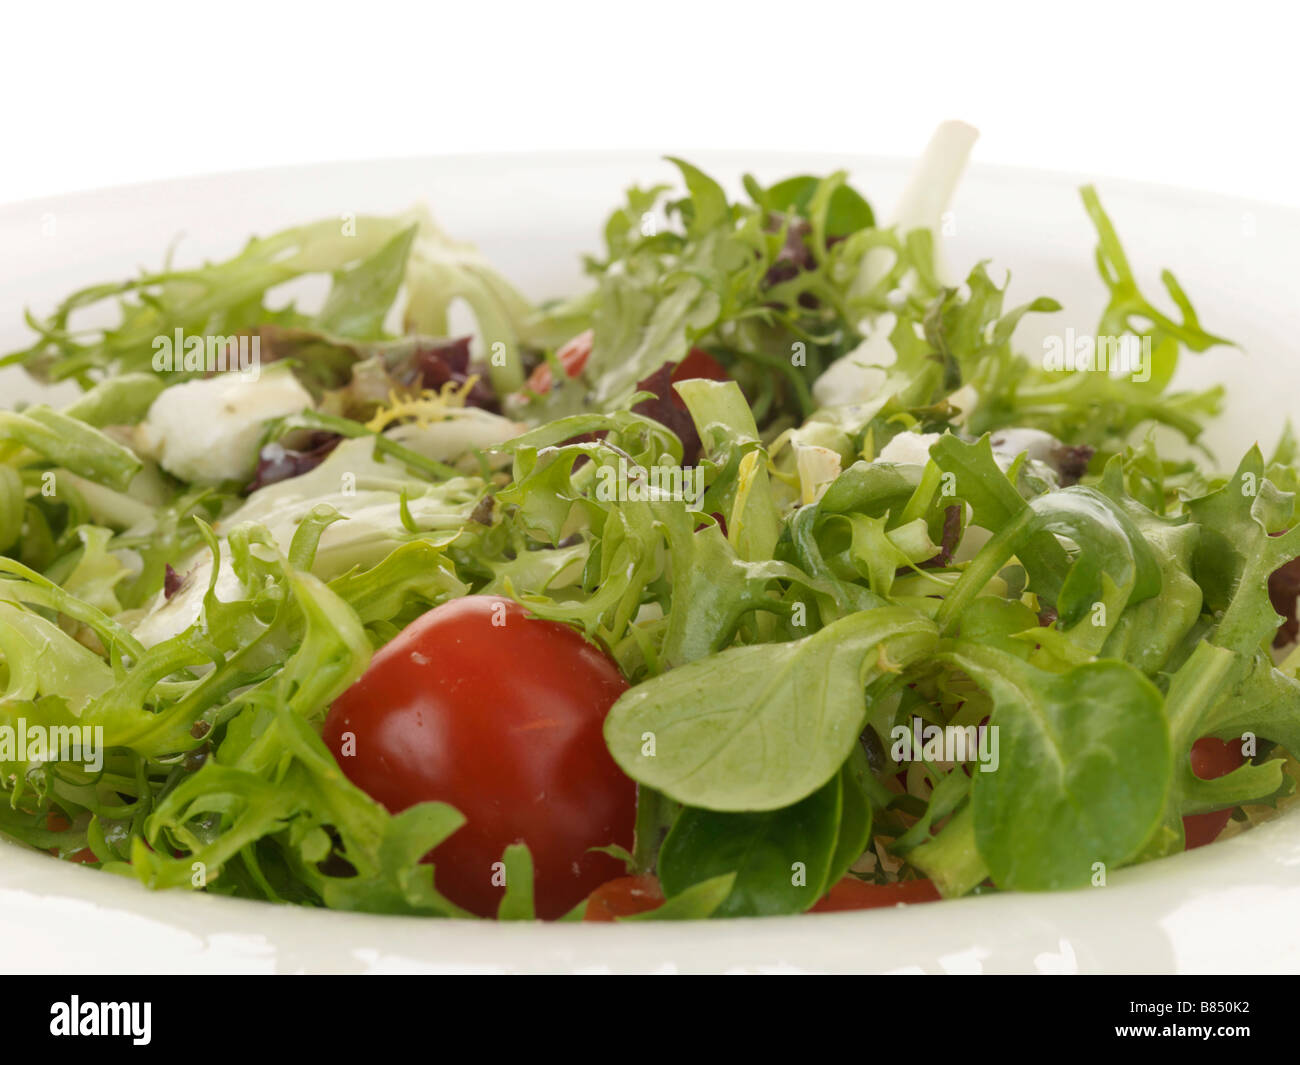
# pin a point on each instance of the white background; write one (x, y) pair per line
(1186, 94)
(1199, 97)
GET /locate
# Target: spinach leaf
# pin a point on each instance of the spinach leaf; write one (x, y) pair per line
(781, 858)
(1086, 765)
(856, 786)
(762, 726)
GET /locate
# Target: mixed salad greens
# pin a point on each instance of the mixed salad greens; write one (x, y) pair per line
(791, 478)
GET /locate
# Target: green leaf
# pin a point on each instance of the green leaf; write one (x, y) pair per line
(1127, 304)
(708, 202)
(1235, 555)
(1147, 633)
(216, 299)
(69, 443)
(726, 426)
(43, 660)
(951, 859)
(517, 902)
(856, 788)
(974, 477)
(1085, 766)
(363, 294)
(1113, 566)
(13, 504)
(763, 726)
(697, 903)
(781, 858)
(847, 211)
(417, 573)
(121, 400)
(871, 488)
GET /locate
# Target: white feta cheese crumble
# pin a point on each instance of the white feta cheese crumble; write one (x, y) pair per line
(208, 430)
(911, 449)
(858, 375)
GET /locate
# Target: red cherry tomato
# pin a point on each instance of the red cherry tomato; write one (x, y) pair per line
(630, 895)
(699, 363)
(573, 357)
(56, 822)
(854, 894)
(1211, 758)
(479, 705)
(624, 897)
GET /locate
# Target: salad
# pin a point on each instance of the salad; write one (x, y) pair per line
(767, 574)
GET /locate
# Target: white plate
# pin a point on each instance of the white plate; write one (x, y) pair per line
(1234, 906)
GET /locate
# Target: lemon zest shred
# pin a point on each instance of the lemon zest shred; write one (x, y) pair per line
(423, 406)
